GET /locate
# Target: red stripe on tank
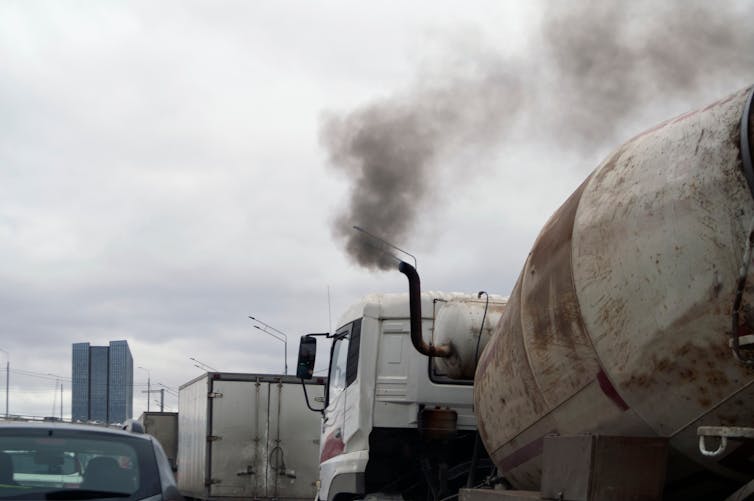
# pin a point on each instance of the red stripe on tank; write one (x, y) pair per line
(609, 390)
(522, 455)
(534, 448)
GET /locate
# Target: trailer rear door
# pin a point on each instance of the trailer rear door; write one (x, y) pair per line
(264, 442)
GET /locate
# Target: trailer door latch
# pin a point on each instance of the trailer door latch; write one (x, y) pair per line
(249, 471)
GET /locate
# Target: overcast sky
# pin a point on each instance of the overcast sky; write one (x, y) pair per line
(164, 172)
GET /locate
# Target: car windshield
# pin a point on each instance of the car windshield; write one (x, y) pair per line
(60, 463)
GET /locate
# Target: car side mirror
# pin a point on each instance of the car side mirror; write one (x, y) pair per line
(307, 354)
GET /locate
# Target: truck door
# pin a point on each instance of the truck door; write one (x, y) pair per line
(293, 443)
(238, 442)
(341, 415)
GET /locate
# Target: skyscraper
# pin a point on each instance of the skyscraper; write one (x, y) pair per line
(102, 387)
(120, 382)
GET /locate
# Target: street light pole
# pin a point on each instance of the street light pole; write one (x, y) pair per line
(149, 386)
(276, 335)
(7, 379)
(170, 391)
(58, 379)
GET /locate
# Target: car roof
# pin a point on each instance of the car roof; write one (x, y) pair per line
(79, 427)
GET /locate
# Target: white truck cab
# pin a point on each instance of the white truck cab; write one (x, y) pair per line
(394, 422)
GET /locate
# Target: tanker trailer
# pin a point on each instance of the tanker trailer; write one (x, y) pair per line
(633, 314)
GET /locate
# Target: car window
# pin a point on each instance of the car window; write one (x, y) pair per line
(36, 461)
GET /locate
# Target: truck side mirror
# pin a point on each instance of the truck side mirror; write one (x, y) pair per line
(307, 353)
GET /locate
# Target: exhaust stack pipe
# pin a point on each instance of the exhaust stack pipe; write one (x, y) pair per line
(415, 306)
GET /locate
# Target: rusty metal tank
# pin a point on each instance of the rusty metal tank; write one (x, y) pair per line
(620, 321)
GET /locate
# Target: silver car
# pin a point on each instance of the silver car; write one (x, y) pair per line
(72, 461)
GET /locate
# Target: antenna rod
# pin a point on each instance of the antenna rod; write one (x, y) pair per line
(329, 310)
(362, 230)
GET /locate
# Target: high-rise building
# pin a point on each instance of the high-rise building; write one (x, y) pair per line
(120, 382)
(80, 382)
(102, 387)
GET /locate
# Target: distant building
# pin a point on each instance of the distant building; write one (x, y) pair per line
(103, 377)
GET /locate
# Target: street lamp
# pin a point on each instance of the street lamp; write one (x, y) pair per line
(149, 385)
(276, 334)
(7, 379)
(170, 391)
(58, 379)
(202, 365)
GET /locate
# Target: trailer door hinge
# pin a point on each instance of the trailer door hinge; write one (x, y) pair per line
(214, 394)
(212, 438)
(212, 481)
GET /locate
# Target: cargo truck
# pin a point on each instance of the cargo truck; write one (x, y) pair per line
(393, 420)
(623, 364)
(164, 427)
(247, 436)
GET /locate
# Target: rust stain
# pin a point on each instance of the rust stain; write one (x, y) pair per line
(553, 329)
(640, 380)
(549, 301)
(687, 374)
(716, 377)
(698, 142)
(697, 371)
(664, 365)
(506, 395)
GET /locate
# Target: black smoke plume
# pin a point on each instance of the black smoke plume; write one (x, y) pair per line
(389, 148)
(610, 60)
(596, 66)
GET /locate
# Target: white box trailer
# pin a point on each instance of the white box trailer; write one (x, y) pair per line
(248, 436)
(164, 427)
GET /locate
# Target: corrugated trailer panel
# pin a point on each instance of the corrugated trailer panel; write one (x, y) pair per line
(192, 438)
